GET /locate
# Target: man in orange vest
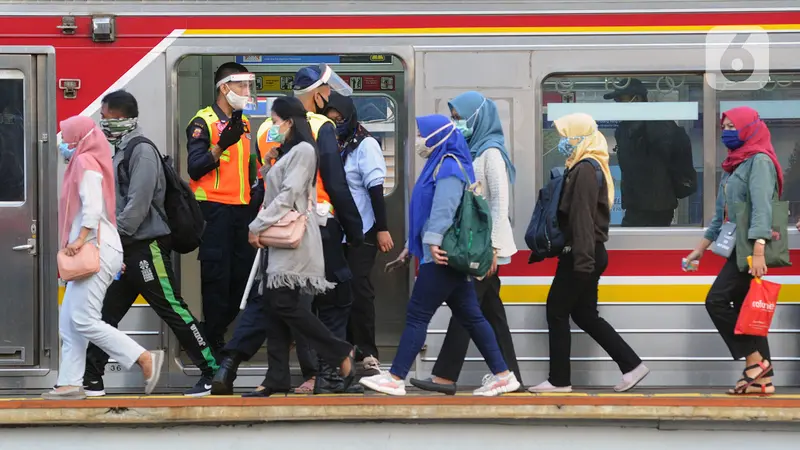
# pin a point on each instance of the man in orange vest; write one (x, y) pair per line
(312, 85)
(221, 167)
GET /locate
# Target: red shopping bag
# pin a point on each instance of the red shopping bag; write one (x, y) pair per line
(758, 308)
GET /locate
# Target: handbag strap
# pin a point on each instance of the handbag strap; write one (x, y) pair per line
(460, 166)
(66, 224)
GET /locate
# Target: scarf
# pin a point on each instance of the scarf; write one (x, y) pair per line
(592, 145)
(757, 139)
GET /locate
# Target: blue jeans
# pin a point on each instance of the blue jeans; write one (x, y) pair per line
(436, 284)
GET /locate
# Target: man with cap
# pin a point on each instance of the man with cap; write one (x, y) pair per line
(222, 168)
(336, 208)
(655, 158)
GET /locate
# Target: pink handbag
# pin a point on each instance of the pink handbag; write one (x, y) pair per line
(287, 232)
(84, 264)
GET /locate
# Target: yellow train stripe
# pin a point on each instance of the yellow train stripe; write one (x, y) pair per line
(484, 30)
(674, 293)
(139, 300)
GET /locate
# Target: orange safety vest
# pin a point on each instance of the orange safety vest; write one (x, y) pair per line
(230, 182)
(264, 146)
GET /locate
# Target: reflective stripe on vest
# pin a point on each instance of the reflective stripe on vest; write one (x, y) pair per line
(316, 121)
(226, 184)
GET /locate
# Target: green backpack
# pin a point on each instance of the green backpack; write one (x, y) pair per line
(468, 242)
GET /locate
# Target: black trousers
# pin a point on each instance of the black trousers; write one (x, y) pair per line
(456, 341)
(724, 302)
(361, 323)
(251, 332)
(149, 273)
(575, 296)
(285, 313)
(225, 261)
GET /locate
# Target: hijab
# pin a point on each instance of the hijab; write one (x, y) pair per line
(437, 130)
(756, 137)
(92, 152)
(487, 130)
(350, 133)
(592, 145)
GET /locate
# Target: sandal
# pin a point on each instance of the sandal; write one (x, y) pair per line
(765, 366)
(762, 390)
(307, 387)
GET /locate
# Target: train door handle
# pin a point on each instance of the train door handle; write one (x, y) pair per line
(30, 247)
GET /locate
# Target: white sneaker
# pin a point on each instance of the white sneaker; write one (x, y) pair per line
(546, 387)
(632, 378)
(494, 385)
(384, 382)
(157, 356)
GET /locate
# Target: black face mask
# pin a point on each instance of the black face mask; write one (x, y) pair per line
(320, 109)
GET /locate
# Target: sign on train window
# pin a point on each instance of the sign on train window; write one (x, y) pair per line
(778, 105)
(654, 135)
(12, 136)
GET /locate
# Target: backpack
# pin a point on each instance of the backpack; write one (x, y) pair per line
(468, 242)
(682, 173)
(183, 214)
(544, 236)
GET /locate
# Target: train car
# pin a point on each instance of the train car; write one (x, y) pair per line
(538, 60)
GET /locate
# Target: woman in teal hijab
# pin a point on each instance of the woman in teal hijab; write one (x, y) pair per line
(476, 117)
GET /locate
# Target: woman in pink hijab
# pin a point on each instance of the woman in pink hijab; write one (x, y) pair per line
(87, 216)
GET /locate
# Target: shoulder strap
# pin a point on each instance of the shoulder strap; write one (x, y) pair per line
(598, 172)
(128, 150)
(441, 161)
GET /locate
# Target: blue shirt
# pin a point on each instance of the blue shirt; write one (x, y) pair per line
(446, 199)
(365, 168)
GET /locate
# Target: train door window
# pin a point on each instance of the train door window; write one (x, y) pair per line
(778, 105)
(377, 114)
(12, 136)
(652, 126)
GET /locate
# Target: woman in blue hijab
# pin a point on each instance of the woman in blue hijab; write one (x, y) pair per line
(477, 119)
(437, 195)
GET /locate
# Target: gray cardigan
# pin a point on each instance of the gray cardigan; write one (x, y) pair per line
(288, 183)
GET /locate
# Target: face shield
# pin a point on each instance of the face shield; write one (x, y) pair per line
(242, 93)
(329, 77)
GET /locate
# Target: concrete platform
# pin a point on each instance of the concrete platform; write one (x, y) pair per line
(177, 410)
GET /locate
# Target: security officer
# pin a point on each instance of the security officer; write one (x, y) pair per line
(312, 85)
(221, 167)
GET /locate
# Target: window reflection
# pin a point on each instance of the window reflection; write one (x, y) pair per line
(12, 137)
(654, 133)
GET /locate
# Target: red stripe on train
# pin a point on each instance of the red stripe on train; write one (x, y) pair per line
(638, 263)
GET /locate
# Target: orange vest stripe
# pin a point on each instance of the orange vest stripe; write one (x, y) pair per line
(230, 182)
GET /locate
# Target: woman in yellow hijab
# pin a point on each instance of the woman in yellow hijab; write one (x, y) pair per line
(583, 213)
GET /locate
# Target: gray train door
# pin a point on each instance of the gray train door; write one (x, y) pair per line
(19, 141)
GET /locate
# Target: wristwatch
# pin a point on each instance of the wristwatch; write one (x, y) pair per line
(761, 241)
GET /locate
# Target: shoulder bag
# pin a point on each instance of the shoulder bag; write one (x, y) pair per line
(83, 264)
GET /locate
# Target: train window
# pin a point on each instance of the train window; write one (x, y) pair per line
(778, 104)
(377, 114)
(654, 133)
(12, 136)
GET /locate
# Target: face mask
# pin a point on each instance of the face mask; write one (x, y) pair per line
(424, 150)
(237, 102)
(731, 139)
(324, 104)
(565, 148)
(462, 125)
(66, 152)
(343, 130)
(275, 135)
(115, 129)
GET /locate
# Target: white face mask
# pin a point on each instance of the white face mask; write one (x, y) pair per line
(423, 150)
(237, 102)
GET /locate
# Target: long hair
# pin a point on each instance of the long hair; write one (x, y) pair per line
(292, 108)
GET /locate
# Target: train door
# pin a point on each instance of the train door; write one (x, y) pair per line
(25, 212)
(378, 85)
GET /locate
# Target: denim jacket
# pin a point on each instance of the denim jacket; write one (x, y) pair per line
(758, 175)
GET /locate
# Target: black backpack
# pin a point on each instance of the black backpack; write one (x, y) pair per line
(681, 167)
(183, 214)
(544, 235)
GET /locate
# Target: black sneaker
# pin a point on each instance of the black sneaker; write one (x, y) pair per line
(94, 388)
(201, 389)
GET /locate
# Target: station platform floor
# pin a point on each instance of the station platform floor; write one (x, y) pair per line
(589, 405)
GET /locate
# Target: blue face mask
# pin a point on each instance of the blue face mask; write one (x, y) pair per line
(343, 130)
(66, 152)
(275, 135)
(565, 148)
(730, 138)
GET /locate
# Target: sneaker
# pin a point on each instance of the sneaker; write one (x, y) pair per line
(94, 388)
(546, 387)
(201, 389)
(494, 385)
(73, 393)
(632, 378)
(384, 382)
(370, 366)
(157, 358)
